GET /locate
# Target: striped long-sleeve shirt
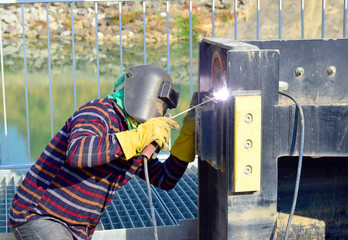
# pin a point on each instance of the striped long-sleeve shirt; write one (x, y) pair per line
(78, 173)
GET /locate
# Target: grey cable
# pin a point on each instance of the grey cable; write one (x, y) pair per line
(298, 177)
(146, 170)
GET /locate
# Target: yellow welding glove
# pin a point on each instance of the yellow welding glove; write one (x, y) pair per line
(184, 146)
(153, 130)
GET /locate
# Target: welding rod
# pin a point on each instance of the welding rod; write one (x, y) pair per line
(211, 99)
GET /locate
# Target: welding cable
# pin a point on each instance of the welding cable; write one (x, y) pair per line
(298, 177)
(146, 170)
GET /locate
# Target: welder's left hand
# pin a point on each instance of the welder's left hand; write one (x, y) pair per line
(184, 146)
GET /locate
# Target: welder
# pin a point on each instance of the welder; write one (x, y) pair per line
(98, 151)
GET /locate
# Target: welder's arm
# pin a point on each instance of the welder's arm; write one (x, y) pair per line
(91, 144)
(153, 130)
(184, 146)
(164, 175)
(89, 137)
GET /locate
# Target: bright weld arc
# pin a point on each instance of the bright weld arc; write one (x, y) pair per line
(221, 95)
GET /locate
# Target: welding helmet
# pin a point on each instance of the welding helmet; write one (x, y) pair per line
(148, 92)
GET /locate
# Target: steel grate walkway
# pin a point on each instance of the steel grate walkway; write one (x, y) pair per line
(130, 206)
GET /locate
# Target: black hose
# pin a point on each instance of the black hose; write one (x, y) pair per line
(298, 177)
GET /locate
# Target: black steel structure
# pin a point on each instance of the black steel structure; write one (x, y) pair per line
(238, 161)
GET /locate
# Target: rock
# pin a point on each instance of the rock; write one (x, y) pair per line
(53, 25)
(31, 21)
(13, 29)
(57, 31)
(78, 25)
(10, 50)
(81, 11)
(108, 36)
(66, 33)
(100, 35)
(31, 34)
(42, 32)
(127, 33)
(10, 18)
(83, 32)
(111, 30)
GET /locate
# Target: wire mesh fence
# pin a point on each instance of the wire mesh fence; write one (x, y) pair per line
(134, 22)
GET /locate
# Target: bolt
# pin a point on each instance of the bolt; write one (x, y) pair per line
(331, 70)
(247, 170)
(248, 118)
(248, 143)
(299, 72)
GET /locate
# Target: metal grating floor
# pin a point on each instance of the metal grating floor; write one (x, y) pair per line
(130, 206)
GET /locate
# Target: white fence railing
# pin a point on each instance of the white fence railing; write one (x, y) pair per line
(21, 5)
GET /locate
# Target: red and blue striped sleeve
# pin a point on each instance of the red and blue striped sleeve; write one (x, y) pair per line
(164, 175)
(91, 142)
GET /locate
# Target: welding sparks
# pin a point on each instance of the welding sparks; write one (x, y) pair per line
(189, 109)
(222, 94)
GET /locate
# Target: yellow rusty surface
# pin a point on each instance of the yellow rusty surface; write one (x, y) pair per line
(301, 227)
(247, 144)
(254, 214)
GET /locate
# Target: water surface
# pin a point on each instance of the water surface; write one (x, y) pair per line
(62, 83)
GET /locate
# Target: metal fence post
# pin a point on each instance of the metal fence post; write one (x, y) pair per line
(73, 52)
(49, 67)
(3, 94)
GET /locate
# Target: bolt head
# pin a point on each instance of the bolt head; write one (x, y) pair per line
(331, 70)
(247, 170)
(299, 71)
(248, 144)
(248, 118)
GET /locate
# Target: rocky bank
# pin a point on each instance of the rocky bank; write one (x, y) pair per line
(84, 13)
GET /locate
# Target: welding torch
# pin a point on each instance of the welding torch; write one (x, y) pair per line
(189, 109)
(220, 95)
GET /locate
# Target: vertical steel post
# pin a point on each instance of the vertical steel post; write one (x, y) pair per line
(73, 52)
(49, 67)
(213, 17)
(323, 19)
(191, 67)
(26, 82)
(3, 93)
(280, 19)
(258, 20)
(120, 27)
(302, 19)
(168, 44)
(345, 19)
(168, 54)
(144, 31)
(235, 19)
(229, 212)
(97, 44)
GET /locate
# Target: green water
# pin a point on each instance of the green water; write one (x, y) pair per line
(63, 85)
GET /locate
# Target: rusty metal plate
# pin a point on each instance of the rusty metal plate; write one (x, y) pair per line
(247, 144)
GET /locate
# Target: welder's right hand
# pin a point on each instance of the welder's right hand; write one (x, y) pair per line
(153, 130)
